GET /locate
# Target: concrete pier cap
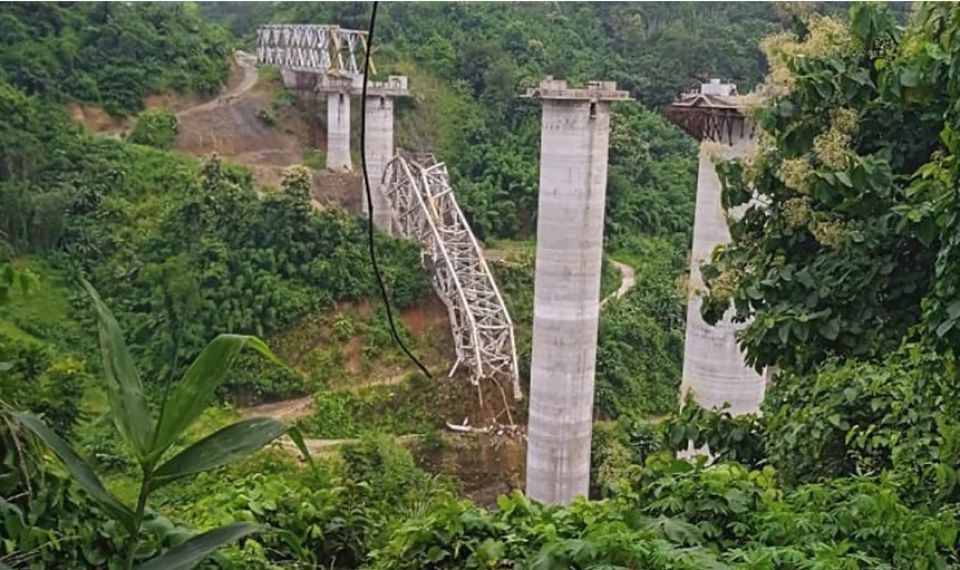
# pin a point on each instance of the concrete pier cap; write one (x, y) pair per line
(393, 86)
(551, 88)
(717, 87)
(574, 144)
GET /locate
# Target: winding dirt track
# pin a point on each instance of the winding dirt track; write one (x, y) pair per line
(627, 282)
(229, 126)
(248, 65)
(297, 408)
(290, 411)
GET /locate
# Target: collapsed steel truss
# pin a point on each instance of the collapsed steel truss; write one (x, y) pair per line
(709, 117)
(312, 48)
(425, 209)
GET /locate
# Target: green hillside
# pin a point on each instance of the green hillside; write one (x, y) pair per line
(842, 264)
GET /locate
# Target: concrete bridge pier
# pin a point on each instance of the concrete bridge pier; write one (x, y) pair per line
(379, 131)
(338, 131)
(714, 369)
(713, 364)
(379, 135)
(574, 140)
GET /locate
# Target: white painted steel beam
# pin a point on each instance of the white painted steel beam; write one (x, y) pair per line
(423, 208)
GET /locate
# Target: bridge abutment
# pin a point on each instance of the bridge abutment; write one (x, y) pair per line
(574, 144)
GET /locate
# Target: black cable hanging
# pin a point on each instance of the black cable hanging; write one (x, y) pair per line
(366, 185)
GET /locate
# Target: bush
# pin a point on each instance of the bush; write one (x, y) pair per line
(255, 381)
(314, 158)
(48, 522)
(400, 409)
(35, 379)
(898, 416)
(738, 438)
(157, 128)
(267, 116)
(676, 516)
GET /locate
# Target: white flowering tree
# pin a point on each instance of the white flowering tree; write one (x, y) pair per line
(855, 177)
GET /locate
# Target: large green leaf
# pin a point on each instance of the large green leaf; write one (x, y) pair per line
(194, 392)
(124, 389)
(294, 434)
(82, 473)
(188, 554)
(220, 448)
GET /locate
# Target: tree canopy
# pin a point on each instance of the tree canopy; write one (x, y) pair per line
(843, 247)
(110, 54)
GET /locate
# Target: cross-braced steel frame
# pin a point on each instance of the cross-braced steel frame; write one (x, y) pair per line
(312, 48)
(426, 210)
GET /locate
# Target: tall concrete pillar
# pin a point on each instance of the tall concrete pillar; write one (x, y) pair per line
(379, 135)
(573, 178)
(713, 365)
(338, 131)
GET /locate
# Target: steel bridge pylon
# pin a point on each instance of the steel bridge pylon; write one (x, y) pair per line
(425, 210)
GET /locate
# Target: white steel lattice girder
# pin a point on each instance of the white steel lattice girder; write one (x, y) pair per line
(312, 48)
(426, 210)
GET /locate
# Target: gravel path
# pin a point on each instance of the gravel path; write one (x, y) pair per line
(627, 282)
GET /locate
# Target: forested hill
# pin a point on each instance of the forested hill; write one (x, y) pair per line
(843, 264)
(655, 49)
(149, 227)
(468, 62)
(110, 54)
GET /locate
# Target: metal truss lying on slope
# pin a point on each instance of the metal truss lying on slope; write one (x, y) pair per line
(426, 210)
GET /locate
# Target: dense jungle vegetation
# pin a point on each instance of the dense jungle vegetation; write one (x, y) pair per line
(109, 54)
(132, 454)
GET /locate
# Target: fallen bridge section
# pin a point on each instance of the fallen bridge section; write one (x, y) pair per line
(424, 208)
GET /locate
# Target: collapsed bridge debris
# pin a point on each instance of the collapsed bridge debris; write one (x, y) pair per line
(425, 210)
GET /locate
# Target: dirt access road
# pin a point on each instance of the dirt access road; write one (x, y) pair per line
(628, 281)
(229, 127)
(247, 64)
(296, 408)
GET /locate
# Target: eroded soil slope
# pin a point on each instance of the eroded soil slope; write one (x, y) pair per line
(229, 127)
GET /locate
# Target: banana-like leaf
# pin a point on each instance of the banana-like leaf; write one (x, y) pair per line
(82, 473)
(195, 391)
(220, 448)
(188, 554)
(127, 400)
(297, 438)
